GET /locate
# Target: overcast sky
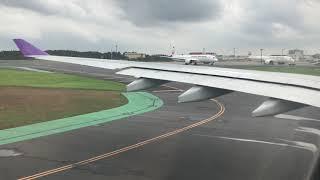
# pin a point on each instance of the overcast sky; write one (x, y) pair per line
(152, 25)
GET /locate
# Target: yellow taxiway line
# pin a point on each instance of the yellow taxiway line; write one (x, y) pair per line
(127, 148)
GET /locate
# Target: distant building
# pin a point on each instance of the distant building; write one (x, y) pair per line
(232, 58)
(199, 53)
(159, 55)
(134, 55)
(296, 54)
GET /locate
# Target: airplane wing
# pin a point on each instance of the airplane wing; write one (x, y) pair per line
(285, 91)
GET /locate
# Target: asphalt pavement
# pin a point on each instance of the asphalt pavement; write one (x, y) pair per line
(203, 140)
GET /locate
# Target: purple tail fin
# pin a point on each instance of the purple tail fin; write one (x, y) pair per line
(28, 49)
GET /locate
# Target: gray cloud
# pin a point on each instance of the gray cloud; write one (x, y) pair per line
(222, 24)
(72, 9)
(155, 12)
(264, 14)
(33, 5)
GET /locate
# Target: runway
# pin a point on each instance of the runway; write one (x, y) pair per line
(203, 140)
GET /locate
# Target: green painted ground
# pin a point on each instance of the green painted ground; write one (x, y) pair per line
(31, 97)
(315, 71)
(55, 80)
(66, 86)
(139, 102)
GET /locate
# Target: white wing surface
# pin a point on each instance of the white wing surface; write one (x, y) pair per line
(285, 91)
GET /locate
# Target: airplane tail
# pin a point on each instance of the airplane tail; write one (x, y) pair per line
(172, 49)
(27, 49)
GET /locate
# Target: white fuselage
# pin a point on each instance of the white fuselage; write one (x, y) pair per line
(274, 59)
(195, 59)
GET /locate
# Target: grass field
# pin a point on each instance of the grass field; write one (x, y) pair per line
(315, 71)
(55, 80)
(31, 97)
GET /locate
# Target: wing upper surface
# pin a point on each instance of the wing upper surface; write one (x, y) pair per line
(272, 77)
(287, 91)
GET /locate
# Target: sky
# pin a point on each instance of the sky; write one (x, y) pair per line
(153, 26)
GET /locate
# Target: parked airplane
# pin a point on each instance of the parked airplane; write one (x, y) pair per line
(193, 58)
(273, 59)
(286, 92)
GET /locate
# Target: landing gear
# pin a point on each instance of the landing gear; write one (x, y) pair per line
(268, 63)
(191, 62)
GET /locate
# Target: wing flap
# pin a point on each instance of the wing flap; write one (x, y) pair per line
(279, 91)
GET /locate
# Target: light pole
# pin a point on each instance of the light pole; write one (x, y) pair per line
(111, 53)
(234, 53)
(261, 54)
(282, 51)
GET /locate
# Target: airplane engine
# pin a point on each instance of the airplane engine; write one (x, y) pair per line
(191, 61)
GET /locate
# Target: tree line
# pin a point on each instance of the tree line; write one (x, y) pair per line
(10, 55)
(16, 55)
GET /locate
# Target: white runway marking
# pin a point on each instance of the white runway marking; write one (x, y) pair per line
(159, 91)
(296, 118)
(309, 130)
(294, 144)
(172, 89)
(304, 145)
(175, 88)
(244, 140)
(26, 68)
(32, 69)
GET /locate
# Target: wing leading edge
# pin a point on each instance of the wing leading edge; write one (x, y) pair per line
(285, 91)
